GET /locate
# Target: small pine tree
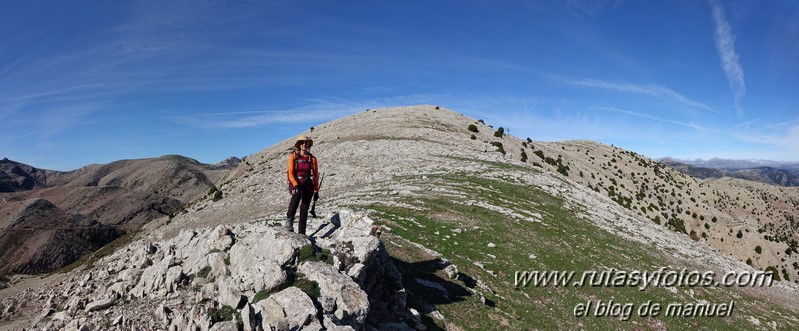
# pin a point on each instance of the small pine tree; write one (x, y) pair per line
(472, 128)
(500, 132)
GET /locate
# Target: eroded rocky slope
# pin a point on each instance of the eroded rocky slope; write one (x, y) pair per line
(258, 275)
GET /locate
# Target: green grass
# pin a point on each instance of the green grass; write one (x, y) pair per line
(313, 253)
(561, 242)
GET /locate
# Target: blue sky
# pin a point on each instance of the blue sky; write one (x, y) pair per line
(86, 82)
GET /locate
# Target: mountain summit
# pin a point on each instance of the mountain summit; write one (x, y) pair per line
(464, 214)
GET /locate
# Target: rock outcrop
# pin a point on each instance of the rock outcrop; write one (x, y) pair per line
(255, 275)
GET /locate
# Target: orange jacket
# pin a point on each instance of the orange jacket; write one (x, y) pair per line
(293, 176)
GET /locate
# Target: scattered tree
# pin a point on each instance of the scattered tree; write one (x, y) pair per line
(499, 133)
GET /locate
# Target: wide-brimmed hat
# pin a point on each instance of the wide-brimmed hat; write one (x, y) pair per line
(301, 139)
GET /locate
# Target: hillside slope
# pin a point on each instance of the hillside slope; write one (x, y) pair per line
(419, 168)
(733, 216)
(111, 199)
(461, 219)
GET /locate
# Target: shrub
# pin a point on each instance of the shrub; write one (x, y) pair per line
(262, 294)
(473, 137)
(775, 274)
(312, 253)
(677, 224)
(225, 313)
(563, 169)
(740, 234)
(310, 287)
(758, 249)
(203, 273)
(217, 196)
(524, 156)
(500, 132)
(540, 154)
(498, 145)
(472, 128)
(481, 122)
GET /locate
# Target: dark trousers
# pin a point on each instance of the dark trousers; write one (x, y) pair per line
(302, 199)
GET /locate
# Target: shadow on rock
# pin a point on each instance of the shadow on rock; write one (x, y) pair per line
(426, 289)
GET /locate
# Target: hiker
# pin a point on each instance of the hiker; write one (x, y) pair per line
(303, 174)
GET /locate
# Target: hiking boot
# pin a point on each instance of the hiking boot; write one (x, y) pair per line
(288, 224)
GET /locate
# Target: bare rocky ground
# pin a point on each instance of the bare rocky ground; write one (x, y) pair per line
(392, 157)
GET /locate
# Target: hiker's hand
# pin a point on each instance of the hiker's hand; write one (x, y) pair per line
(293, 190)
(315, 196)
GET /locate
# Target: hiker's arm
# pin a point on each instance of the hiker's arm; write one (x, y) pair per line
(292, 177)
(315, 175)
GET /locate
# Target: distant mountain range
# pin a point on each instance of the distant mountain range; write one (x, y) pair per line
(769, 172)
(50, 218)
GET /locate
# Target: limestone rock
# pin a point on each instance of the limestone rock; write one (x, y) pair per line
(298, 307)
(352, 303)
(100, 304)
(225, 326)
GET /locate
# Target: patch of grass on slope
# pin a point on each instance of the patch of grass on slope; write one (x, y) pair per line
(560, 242)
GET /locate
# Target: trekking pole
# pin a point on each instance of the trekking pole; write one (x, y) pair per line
(313, 206)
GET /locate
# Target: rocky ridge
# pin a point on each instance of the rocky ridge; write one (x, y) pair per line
(257, 275)
(406, 143)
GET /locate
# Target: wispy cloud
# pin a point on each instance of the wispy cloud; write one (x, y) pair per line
(725, 44)
(55, 90)
(250, 119)
(651, 90)
(315, 111)
(592, 8)
(651, 117)
(780, 139)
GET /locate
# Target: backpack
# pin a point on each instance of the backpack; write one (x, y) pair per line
(296, 163)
